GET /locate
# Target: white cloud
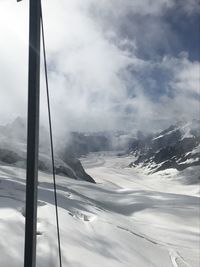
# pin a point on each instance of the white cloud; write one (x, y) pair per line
(190, 6)
(187, 77)
(89, 75)
(14, 58)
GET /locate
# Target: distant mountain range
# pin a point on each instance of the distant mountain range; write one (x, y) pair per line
(176, 147)
(13, 152)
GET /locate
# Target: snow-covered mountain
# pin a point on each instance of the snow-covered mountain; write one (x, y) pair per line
(176, 147)
(13, 152)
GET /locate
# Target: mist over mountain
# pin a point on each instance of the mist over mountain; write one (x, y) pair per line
(83, 143)
(13, 152)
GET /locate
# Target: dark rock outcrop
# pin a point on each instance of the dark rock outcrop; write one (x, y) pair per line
(176, 147)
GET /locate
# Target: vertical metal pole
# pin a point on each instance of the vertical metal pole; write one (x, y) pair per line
(33, 134)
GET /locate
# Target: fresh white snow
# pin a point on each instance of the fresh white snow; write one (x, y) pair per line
(127, 219)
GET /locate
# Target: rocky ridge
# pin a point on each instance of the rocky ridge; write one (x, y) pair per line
(176, 147)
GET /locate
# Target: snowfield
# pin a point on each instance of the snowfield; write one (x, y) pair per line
(127, 219)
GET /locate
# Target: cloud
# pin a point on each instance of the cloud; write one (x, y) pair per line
(164, 92)
(187, 77)
(105, 68)
(14, 58)
(190, 7)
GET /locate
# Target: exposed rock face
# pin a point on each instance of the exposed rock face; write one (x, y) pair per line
(13, 151)
(75, 164)
(176, 147)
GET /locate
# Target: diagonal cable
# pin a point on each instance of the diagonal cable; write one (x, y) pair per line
(51, 138)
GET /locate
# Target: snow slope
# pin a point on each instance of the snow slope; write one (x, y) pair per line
(127, 219)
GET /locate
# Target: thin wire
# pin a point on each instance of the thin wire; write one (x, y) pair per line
(51, 139)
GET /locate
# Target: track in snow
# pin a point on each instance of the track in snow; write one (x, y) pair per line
(127, 219)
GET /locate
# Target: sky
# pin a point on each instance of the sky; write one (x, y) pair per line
(112, 64)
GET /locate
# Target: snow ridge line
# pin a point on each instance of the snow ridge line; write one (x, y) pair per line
(139, 235)
(176, 258)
